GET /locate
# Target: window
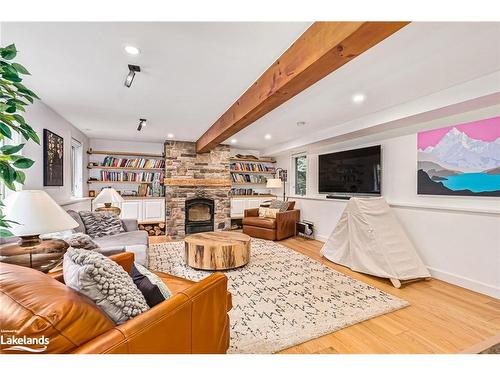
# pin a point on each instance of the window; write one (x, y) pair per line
(76, 168)
(300, 174)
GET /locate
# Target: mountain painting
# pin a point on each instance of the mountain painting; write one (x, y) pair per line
(460, 160)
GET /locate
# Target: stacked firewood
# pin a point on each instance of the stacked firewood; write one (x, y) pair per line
(153, 229)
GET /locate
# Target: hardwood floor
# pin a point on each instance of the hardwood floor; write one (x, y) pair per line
(442, 318)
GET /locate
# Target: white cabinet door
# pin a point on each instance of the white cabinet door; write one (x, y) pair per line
(153, 210)
(237, 207)
(252, 203)
(132, 209)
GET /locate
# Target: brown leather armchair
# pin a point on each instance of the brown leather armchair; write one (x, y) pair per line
(271, 229)
(35, 305)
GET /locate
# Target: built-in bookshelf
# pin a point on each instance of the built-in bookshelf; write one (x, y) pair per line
(249, 174)
(140, 171)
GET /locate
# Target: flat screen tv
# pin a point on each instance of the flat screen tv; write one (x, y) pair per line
(354, 171)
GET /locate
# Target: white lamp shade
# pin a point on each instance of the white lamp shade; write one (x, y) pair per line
(108, 195)
(274, 183)
(36, 213)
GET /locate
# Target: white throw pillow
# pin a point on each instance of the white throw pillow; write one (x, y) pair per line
(105, 282)
(269, 213)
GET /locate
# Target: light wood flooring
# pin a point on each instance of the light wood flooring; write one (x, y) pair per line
(441, 318)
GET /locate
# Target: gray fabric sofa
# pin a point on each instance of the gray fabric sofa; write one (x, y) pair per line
(132, 240)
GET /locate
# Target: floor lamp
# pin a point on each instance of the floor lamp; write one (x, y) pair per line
(276, 183)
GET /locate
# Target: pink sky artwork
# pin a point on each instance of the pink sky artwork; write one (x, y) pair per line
(487, 130)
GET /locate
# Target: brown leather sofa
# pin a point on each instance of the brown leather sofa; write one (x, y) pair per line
(34, 304)
(271, 229)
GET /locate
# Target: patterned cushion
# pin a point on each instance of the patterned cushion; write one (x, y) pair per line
(151, 286)
(100, 224)
(76, 216)
(81, 241)
(281, 205)
(268, 212)
(104, 282)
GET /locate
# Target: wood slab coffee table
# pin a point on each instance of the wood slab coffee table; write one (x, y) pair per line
(217, 250)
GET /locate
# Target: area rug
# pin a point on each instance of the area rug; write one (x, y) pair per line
(283, 298)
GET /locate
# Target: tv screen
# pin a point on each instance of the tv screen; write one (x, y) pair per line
(353, 171)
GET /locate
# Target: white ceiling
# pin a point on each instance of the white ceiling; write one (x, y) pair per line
(193, 72)
(419, 60)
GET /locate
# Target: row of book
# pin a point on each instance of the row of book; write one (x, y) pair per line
(131, 176)
(248, 178)
(110, 161)
(251, 167)
(148, 191)
(241, 191)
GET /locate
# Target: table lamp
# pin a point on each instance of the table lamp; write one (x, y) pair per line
(108, 196)
(275, 183)
(35, 212)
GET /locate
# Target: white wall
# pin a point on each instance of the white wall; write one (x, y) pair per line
(457, 237)
(40, 117)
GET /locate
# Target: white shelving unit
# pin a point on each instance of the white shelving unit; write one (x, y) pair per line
(146, 209)
(254, 168)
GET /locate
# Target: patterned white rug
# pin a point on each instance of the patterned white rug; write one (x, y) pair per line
(283, 298)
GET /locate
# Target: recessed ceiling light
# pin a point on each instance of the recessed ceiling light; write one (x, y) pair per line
(170, 135)
(131, 50)
(358, 98)
(267, 136)
(301, 123)
(234, 140)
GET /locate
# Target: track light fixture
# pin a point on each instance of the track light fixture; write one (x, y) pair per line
(142, 123)
(132, 69)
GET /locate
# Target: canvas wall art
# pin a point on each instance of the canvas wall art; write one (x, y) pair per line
(460, 160)
(53, 159)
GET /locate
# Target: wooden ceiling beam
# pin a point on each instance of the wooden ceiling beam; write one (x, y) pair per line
(321, 49)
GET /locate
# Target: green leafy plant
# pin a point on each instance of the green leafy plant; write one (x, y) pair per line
(14, 97)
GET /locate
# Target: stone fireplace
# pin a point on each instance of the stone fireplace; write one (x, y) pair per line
(191, 179)
(199, 215)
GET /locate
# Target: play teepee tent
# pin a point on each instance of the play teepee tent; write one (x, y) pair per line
(369, 238)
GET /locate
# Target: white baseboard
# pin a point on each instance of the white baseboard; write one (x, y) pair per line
(464, 282)
(321, 238)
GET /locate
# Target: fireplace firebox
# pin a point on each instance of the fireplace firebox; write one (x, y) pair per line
(199, 215)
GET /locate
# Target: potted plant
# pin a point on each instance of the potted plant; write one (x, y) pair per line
(14, 98)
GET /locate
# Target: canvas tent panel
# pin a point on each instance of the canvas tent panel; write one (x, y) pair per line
(339, 240)
(370, 239)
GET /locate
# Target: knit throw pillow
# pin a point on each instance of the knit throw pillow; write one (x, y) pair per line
(80, 241)
(104, 282)
(280, 205)
(73, 239)
(99, 224)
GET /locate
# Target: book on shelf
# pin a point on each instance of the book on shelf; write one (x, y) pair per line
(248, 178)
(110, 176)
(111, 161)
(251, 167)
(147, 191)
(241, 191)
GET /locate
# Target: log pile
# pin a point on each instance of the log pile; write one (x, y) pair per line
(153, 229)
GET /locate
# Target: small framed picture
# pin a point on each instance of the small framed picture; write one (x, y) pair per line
(92, 193)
